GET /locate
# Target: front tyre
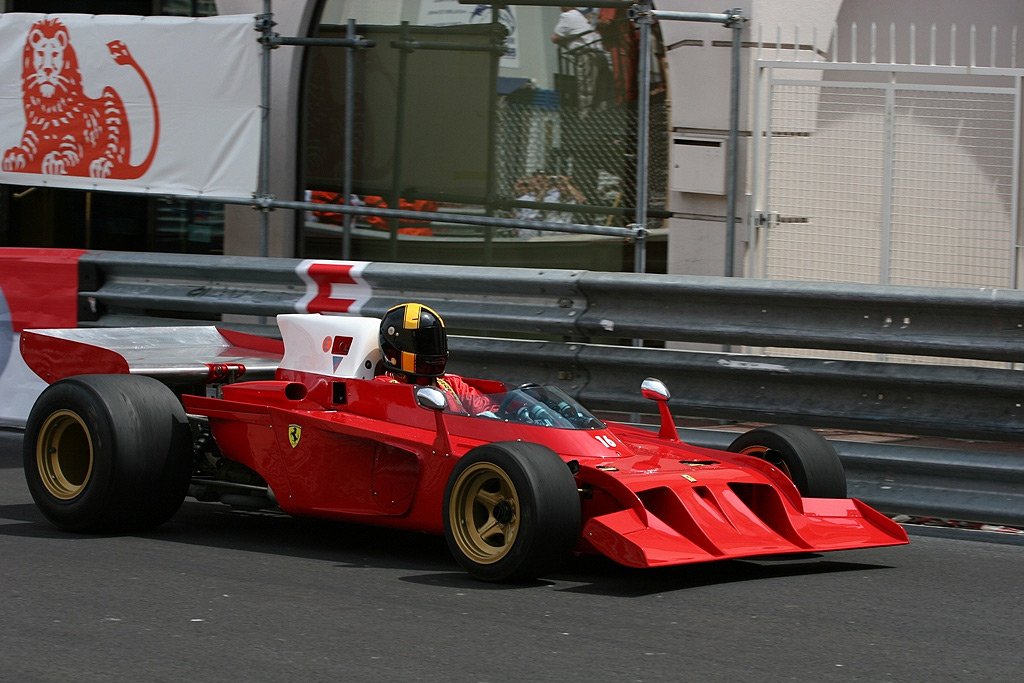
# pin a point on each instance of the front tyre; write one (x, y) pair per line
(802, 454)
(511, 511)
(107, 453)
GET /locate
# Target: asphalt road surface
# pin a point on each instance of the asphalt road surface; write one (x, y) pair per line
(218, 595)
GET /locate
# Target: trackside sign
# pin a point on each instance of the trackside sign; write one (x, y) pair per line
(166, 105)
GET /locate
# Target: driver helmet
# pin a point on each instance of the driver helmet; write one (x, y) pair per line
(413, 341)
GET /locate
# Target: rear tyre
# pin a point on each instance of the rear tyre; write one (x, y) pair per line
(511, 511)
(107, 453)
(802, 454)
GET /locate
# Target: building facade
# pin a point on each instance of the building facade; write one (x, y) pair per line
(473, 110)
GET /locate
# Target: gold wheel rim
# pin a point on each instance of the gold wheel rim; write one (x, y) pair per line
(769, 456)
(484, 513)
(64, 454)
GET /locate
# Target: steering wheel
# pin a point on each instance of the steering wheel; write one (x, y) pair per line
(503, 409)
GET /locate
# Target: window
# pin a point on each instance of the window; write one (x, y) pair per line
(469, 110)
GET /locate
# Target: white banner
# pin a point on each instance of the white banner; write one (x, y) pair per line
(166, 105)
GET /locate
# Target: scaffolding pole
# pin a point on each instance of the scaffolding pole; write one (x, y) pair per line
(731, 19)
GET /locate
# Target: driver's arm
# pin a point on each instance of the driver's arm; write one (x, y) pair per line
(472, 400)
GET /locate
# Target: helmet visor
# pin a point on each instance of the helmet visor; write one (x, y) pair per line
(431, 365)
(429, 341)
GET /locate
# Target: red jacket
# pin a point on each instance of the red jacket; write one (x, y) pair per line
(462, 398)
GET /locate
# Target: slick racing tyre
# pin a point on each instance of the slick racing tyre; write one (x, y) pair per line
(511, 511)
(107, 453)
(802, 454)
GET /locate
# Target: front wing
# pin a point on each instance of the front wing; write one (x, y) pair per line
(725, 513)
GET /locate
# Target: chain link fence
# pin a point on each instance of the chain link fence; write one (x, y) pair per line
(479, 145)
(911, 180)
(892, 185)
(554, 154)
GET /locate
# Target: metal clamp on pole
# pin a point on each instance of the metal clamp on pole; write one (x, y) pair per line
(735, 18)
(640, 232)
(639, 14)
(265, 26)
(264, 202)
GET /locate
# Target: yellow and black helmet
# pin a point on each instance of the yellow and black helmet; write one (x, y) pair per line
(413, 340)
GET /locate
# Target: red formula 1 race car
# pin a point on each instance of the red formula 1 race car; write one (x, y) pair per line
(135, 419)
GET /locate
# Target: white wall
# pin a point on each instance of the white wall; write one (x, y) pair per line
(699, 63)
(983, 14)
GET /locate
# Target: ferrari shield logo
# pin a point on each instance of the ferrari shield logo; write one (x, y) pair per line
(294, 434)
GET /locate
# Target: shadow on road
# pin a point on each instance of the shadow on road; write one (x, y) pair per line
(355, 546)
(10, 449)
(600, 576)
(603, 577)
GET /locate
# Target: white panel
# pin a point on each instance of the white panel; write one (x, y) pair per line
(165, 105)
(311, 344)
(20, 385)
(697, 164)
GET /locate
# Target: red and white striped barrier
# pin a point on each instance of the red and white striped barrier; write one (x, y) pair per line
(38, 288)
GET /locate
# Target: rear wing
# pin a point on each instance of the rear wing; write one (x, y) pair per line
(174, 355)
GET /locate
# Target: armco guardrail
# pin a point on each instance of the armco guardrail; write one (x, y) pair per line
(570, 308)
(559, 317)
(983, 323)
(948, 483)
(963, 402)
(980, 323)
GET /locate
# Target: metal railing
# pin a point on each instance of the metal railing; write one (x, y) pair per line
(954, 484)
(561, 327)
(567, 327)
(266, 201)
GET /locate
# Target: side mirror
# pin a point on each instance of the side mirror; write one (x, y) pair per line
(654, 390)
(434, 399)
(431, 398)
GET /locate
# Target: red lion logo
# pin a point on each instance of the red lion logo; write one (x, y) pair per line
(66, 132)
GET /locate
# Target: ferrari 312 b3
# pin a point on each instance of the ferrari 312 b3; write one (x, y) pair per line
(136, 419)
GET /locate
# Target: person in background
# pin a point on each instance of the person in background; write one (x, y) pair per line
(561, 190)
(551, 189)
(573, 31)
(530, 189)
(414, 345)
(574, 34)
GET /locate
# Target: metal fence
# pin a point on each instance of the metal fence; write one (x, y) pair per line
(551, 155)
(565, 165)
(900, 168)
(592, 169)
(967, 484)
